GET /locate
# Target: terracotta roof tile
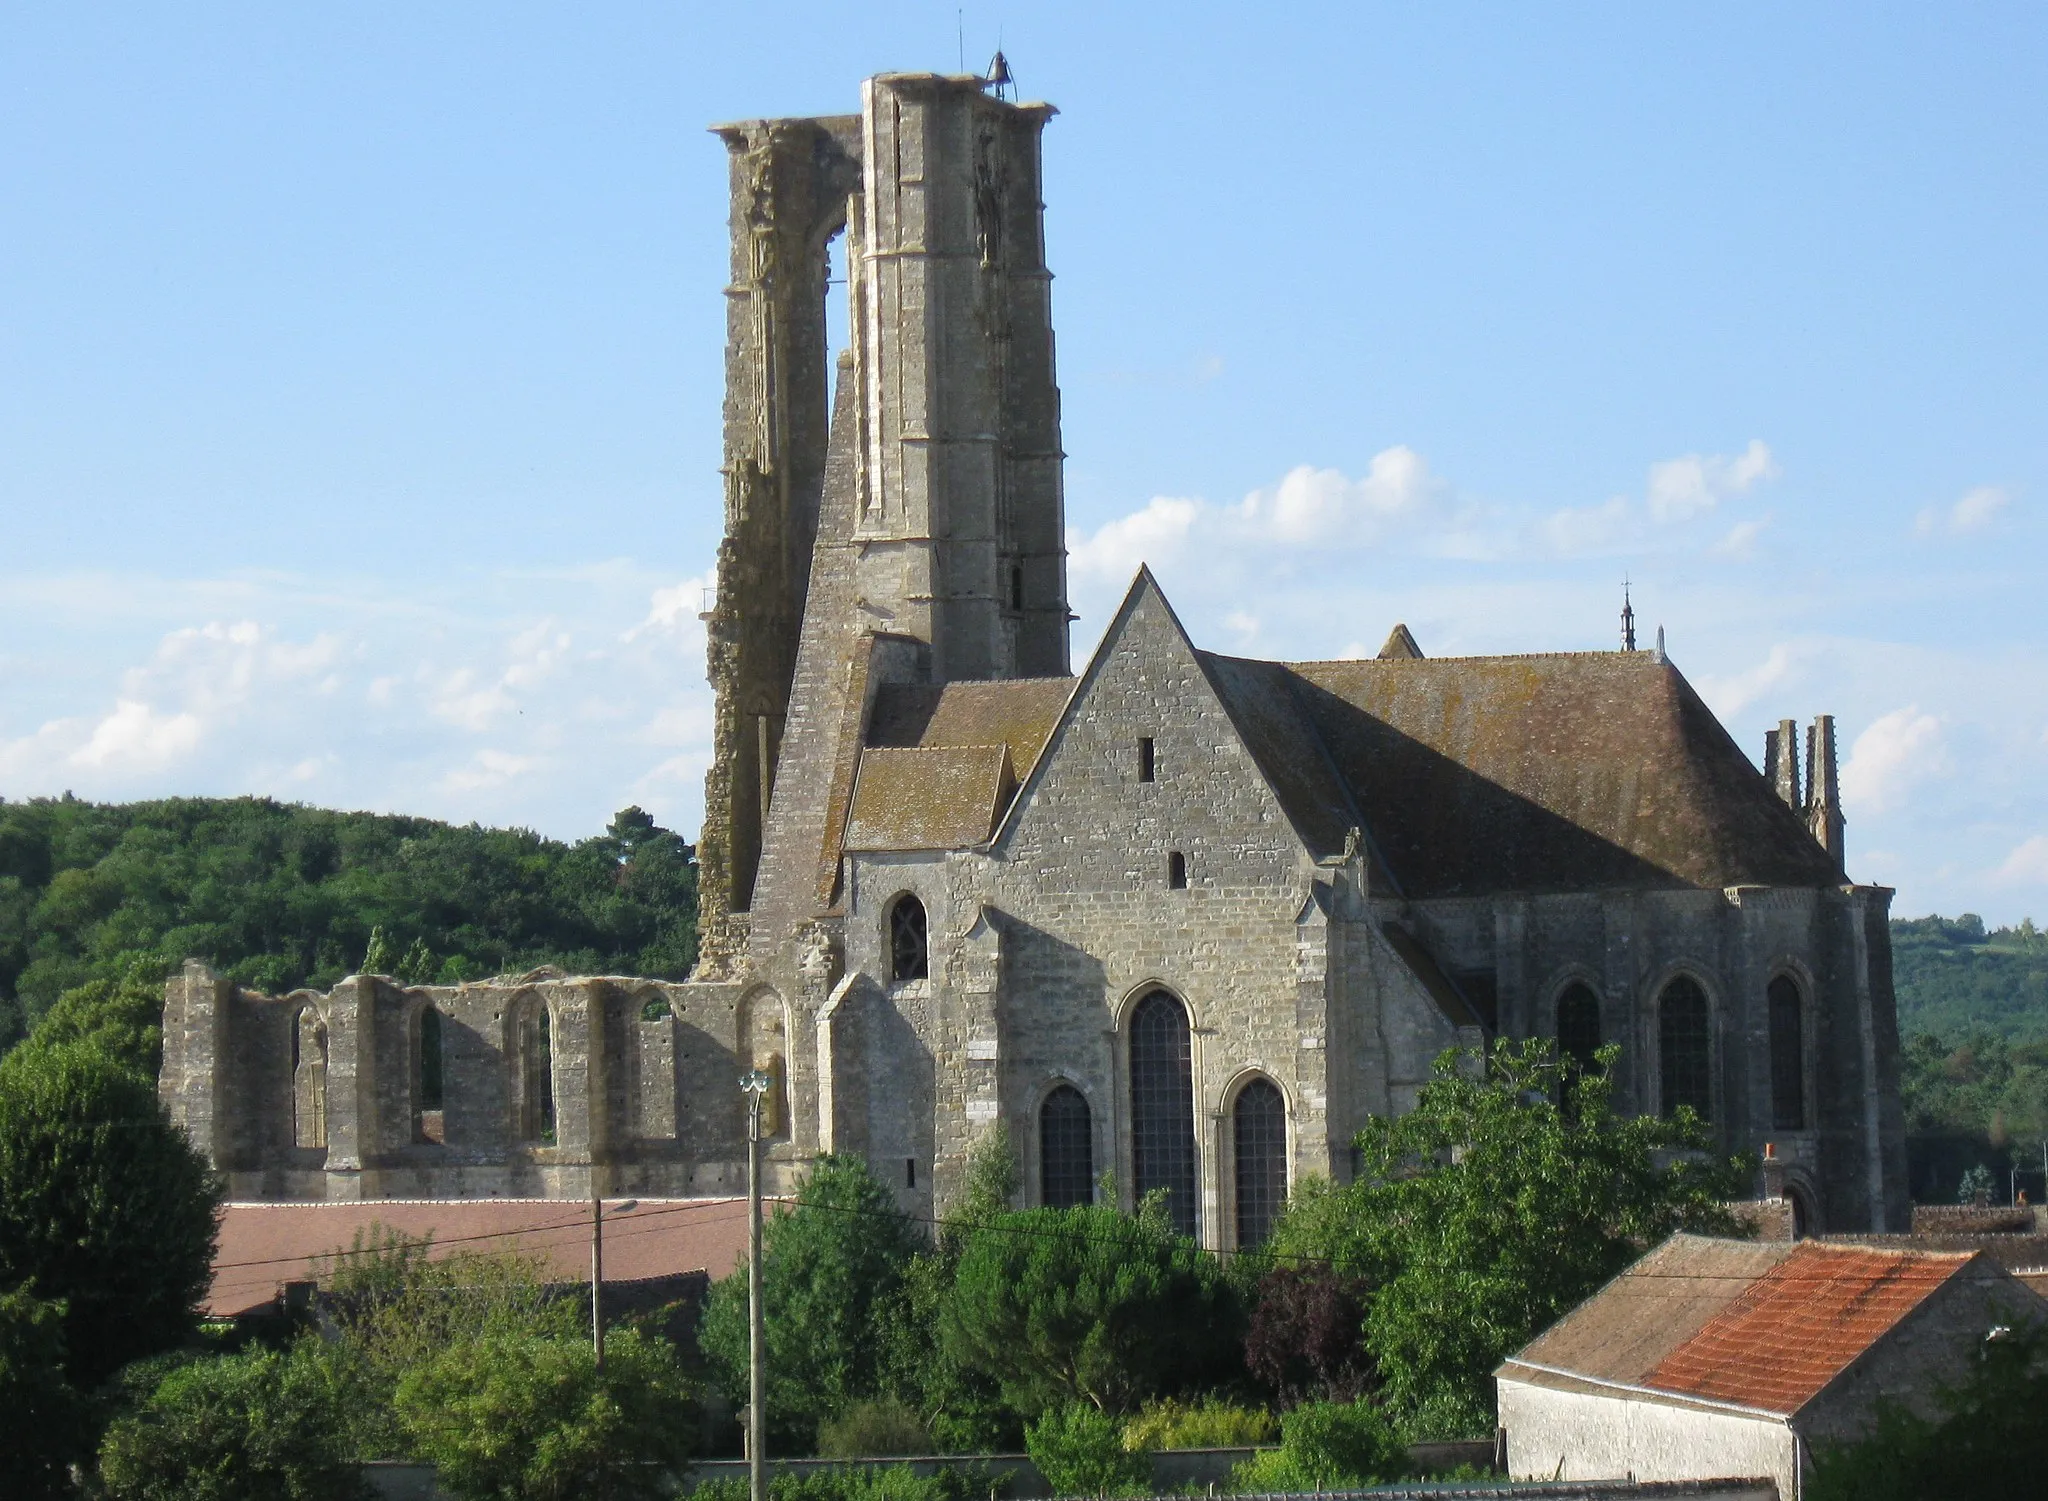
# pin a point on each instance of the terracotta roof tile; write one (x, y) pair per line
(1801, 1324)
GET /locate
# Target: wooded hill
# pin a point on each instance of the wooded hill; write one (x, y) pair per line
(280, 895)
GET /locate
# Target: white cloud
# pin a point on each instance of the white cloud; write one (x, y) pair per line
(1578, 530)
(135, 735)
(674, 608)
(1740, 541)
(2027, 864)
(1900, 749)
(1682, 488)
(1151, 535)
(1973, 512)
(1323, 505)
(490, 768)
(1732, 694)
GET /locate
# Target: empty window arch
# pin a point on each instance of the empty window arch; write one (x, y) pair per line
(1163, 1106)
(1578, 1027)
(1176, 871)
(427, 1074)
(309, 1080)
(1788, 1054)
(1685, 1048)
(533, 1049)
(1259, 1131)
(909, 956)
(1066, 1150)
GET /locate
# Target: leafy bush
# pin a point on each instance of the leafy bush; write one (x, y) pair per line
(858, 1483)
(44, 1425)
(257, 1426)
(1211, 1423)
(1089, 1305)
(511, 1417)
(1306, 1339)
(1326, 1446)
(104, 1204)
(886, 1426)
(1079, 1451)
(832, 1280)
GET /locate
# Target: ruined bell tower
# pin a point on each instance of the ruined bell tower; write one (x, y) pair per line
(946, 527)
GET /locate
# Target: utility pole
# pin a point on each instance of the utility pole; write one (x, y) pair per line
(756, 1084)
(597, 1272)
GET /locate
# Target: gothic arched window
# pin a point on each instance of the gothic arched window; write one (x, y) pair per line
(1788, 1055)
(426, 1074)
(1578, 1027)
(533, 1046)
(1066, 1150)
(309, 1080)
(909, 958)
(1163, 1106)
(1685, 1050)
(1259, 1128)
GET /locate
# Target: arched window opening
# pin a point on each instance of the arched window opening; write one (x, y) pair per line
(1685, 1049)
(1163, 1106)
(1259, 1128)
(536, 1049)
(1578, 1028)
(1016, 588)
(1788, 1055)
(309, 1080)
(426, 1075)
(1066, 1150)
(909, 958)
(1177, 871)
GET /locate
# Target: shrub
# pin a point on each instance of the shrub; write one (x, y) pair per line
(522, 1417)
(1326, 1446)
(857, 1483)
(1211, 1423)
(104, 1204)
(1080, 1453)
(1306, 1339)
(883, 1427)
(258, 1426)
(43, 1422)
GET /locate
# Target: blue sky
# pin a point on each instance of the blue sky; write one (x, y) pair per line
(360, 374)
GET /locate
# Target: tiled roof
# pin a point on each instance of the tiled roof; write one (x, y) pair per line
(265, 1245)
(1801, 1324)
(1017, 712)
(928, 798)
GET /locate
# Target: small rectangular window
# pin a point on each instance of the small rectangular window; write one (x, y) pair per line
(910, 1172)
(1177, 871)
(1145, 759)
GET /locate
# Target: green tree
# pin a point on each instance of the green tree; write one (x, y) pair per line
(1491, 1209)
(103, 1204)
(1079, 1451)
(44, 1424)
(510, 1417)
(1087, 1304)
(1326, 1446)
(256, 1426)
(833, 1268)
(122, 1018)
(1987, 1437)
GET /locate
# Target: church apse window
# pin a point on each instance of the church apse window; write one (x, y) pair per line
(1163, 1106)
(1066, 1150)
(909, 955)
(1788, 1054)
(1578, 1028)
(1259, 1130)
(1684, 1048)
(533, 1041)
(427, 1075)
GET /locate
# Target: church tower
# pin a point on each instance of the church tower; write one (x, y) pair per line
(932, 515)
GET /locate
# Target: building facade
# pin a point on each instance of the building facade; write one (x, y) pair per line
(1177, 921)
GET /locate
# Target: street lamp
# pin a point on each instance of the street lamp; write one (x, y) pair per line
(597, 1270)
(755, 1084)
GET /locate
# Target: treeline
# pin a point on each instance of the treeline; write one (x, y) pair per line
(1954, 979)
(281, 895)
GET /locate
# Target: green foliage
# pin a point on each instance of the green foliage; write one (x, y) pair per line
(1976, 1186)
(1211, 1423)
(1988, 1437)
(1982, 1085)
(257, 1426)
(833, 1269)
(1326, 1446)
(857, 1483)
(103, 1204)
(1953, 979)
(1488, 1211)
(885, 1426)
(512, 1417)
(279, 896)
(44, 1423)
(1087, 1304)
(122, 1018)
(1080, 1452)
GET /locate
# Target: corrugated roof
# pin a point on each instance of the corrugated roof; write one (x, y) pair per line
(1802, 1323)
(262, 1246)
(928, 798)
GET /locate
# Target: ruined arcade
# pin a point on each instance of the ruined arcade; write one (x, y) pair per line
(1179, 920)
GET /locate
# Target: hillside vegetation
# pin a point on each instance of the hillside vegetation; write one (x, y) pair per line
(1954, 979)
(280, 895)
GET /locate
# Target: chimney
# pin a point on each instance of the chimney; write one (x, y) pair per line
(1781, 763)
(1823, 796)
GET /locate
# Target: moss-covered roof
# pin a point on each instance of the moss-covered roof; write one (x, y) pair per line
(928, 798)
(1017, 712)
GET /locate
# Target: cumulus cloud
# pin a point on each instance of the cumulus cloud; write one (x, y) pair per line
(1675, 492)
(1312, 506)
(2027, 864)
(1733, 693)
(1740, 542)
(1682, 488)
(673, 608)
(1898, 751)
(1972, 512)
(1152, 535)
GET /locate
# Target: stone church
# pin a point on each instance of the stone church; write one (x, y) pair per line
(1177, 920)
